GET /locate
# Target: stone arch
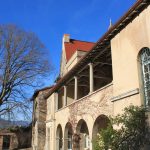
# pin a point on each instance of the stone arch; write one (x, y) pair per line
(83, 131)
(68, 134)
(101, 122)
(141, 51)
(59, 138)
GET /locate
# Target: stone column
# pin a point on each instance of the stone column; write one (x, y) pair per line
(91, 77)
(65, 96)
(76, 88)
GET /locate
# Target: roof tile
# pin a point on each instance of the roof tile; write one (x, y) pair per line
(74, 45)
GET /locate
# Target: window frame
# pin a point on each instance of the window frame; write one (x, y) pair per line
(144, 58)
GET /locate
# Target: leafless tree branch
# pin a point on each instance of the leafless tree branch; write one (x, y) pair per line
(23, 63)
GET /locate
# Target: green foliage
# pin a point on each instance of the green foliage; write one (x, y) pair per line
(127, 131)
(98, 143)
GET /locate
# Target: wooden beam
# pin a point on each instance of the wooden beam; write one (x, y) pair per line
(101, 52)
(80, 85)
(103, 63)
(96, 76)
(85, 67)
(84, 85)
(101, 77)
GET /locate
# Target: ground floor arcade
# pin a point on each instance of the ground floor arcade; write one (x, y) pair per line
(81, 139)
(77, 125)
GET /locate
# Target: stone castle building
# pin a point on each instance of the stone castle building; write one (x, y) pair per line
(15, 137)
(8, 140)
(97, 80)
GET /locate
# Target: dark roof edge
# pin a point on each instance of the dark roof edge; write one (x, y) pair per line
(138, 7)
(36, 92)
(81, 41)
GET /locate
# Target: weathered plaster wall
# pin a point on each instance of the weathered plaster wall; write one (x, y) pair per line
(125, 48)
(63, 62)
(50, 123)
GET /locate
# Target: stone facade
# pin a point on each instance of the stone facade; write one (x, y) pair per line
(8, 140)
(15, 138)
(39, 118)
(99, 84)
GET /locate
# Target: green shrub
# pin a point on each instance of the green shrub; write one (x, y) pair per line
(128, 131)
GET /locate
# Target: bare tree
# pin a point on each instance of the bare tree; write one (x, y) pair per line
(23, 63)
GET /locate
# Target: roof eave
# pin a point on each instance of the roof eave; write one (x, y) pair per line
(134, 11)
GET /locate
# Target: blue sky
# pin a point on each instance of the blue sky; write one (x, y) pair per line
(83, 19)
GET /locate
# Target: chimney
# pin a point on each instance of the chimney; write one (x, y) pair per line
(66, 38)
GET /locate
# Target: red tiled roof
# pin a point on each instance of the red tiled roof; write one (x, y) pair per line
(74, 45)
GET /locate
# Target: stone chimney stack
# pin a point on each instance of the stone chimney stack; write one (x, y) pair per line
(66, 38)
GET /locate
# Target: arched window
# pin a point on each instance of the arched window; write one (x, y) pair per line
(145, 66)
